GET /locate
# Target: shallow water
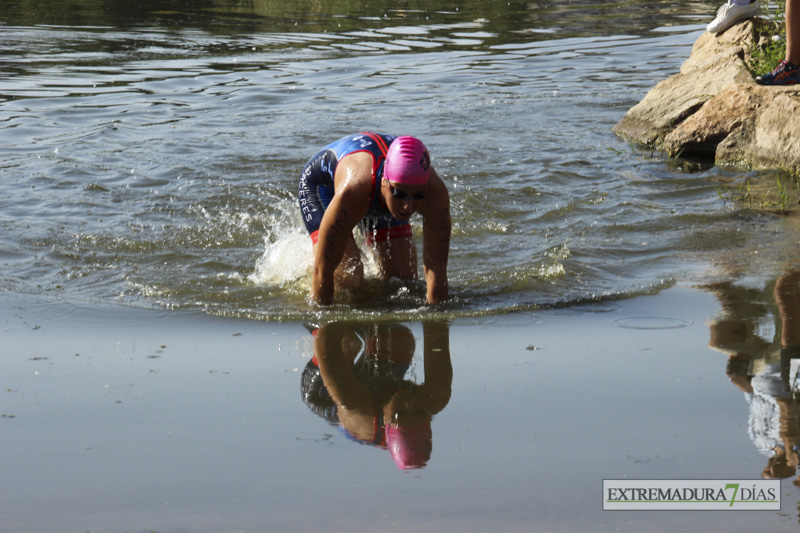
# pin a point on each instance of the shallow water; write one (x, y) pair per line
(152, 156)
(124, 419)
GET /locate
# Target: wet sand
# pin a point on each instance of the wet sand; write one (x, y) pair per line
(118, 419)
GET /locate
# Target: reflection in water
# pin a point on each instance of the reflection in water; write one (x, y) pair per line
(356, 380)
(760, 333)
(504, 21)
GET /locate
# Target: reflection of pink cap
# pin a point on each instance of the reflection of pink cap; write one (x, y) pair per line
(410, 446)
(407, 162)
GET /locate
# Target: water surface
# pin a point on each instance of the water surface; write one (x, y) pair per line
(127, 419)
(158, 347)
(151, 156)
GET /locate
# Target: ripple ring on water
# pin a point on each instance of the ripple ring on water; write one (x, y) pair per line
(651, 322)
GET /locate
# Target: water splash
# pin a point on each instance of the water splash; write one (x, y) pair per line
(287, 258)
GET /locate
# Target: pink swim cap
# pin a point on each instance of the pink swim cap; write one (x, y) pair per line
(410, 446)
(407, 162)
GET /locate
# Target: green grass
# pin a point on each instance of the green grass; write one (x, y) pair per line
(764, 59)
(782, 197)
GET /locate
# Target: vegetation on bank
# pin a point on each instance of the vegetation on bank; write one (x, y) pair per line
(782, 195)
(766, 53)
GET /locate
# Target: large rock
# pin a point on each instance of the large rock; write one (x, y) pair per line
(714, 108)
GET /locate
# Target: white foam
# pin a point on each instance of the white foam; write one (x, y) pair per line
(288, 255)
(287, 258)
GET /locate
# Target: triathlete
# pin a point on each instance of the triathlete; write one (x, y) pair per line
(377, 182)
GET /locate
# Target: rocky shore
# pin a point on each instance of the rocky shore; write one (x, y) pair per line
(714, 108)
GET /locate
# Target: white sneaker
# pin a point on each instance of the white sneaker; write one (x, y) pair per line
(729, 14)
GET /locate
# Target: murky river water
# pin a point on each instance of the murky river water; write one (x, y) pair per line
(149, 159)
(151, 156)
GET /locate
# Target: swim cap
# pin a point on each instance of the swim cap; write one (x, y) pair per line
(410, 446)
(407, 162)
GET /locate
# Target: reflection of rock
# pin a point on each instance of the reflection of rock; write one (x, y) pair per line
(714, 108)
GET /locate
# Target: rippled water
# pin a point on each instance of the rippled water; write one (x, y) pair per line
(152, 157)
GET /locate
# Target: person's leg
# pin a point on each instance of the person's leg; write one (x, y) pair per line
(787, 296)
(793, 31)
(397, 257)
(349, 275)
(788, 71)
(393, 244)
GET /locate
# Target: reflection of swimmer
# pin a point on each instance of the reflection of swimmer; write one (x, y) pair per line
(368, 396)
(767, 372)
